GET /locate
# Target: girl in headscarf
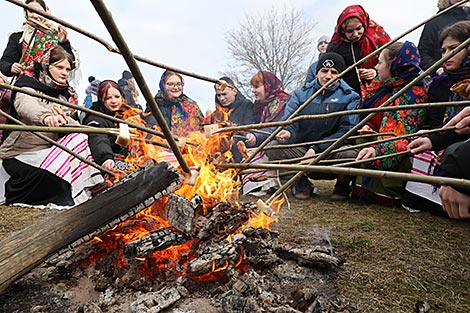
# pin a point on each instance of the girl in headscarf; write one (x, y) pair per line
(104, 148)
(420, 196)
(37, 173)
(32, 42)
(181, 113)
(397, 66)
(356, 36)
(270, 102)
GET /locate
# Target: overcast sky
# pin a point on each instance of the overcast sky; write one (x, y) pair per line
(189, 34)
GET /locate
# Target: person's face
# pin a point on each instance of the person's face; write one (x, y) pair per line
(322, 46)
(227, 96)
(174, 86)
(383, 66)
(454, 63)
(60, 71)
(34, 16)
(354, 29)
(326, 74)
(112, 100)
(258, 91)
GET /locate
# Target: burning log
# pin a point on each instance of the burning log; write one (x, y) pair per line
(24, 250)
(309, 257)
(159, 239)
(214, 258)
(181, 213)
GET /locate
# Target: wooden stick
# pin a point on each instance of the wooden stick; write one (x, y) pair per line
(192, 74)
(438, 180)
(110, 24)
(353, 66)
(309, 143)
(343, 138)
(110, 48)
(90, 111)
(253, 127)
(54, 143)
(365, 161)
(367, 144)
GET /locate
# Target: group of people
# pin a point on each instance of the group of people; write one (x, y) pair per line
(35, 172)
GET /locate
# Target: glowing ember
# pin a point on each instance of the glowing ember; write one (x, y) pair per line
(213, 186)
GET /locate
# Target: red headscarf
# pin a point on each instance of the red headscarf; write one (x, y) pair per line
(374, 35)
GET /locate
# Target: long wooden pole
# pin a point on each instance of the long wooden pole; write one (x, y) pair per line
(455, 182)
(347, 70)
(110, 24)
(341, 113)
(86, 110)
(353, 130)
(60, 146)
(110, 48)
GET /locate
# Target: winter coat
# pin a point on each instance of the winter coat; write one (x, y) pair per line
(339, 97)
(345, 50)
(32, 111)
(103, 146)
(428, 45)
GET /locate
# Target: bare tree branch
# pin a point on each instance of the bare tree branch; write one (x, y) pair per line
(280, 41)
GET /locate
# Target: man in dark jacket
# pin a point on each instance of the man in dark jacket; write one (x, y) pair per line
(229, 102)
(428, 45)
(337, 97)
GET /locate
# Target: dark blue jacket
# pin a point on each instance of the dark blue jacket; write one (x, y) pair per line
(339, 97)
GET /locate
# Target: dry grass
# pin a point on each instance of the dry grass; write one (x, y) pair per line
(393, 258)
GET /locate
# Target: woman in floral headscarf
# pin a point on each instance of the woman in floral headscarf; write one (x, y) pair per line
(34, 172)
(181, 113)
(27, 46)
(270, 102)
(356, 36)
(398, 65)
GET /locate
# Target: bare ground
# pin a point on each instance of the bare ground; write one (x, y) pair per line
(393, 259)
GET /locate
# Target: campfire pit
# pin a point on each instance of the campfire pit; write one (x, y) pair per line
(213, 262)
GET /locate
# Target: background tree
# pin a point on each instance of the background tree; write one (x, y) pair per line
(279, 40)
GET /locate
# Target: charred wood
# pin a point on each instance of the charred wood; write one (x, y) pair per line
(159, 239)
(26, 249)
(309, 257)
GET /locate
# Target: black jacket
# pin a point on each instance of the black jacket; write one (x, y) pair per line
(428, 45)
(344, 49)
(242, 110)
(14, 49)
(102, 146)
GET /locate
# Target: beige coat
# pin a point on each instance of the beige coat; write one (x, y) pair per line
(31, 111)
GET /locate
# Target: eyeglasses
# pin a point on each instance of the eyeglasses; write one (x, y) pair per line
(179, 85)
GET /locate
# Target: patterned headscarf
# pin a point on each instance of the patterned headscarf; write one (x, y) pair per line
(186, 116)
(66, 92)
(39, 43)
(404, 67)
(276, 98)
(374, 35)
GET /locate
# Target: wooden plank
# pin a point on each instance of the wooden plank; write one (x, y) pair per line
(24, 250)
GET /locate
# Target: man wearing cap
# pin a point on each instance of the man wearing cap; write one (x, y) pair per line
(321, 46)
(337, 97)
